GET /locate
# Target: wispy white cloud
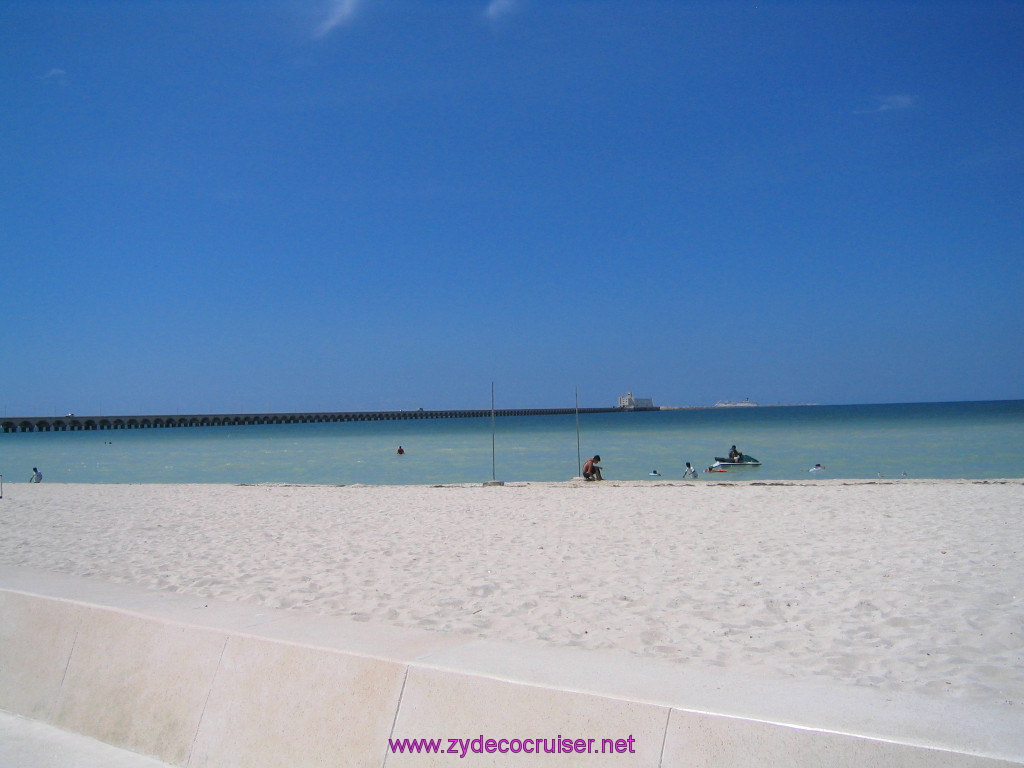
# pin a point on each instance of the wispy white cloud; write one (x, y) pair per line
(64, 83)
(498, 9)
(57, 75)
(896, 102)
(890, 104)
(339, 12)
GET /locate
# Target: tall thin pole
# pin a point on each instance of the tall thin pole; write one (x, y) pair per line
(492, 430)
(579, 461)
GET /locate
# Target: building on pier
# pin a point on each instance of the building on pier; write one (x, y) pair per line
(633, 403)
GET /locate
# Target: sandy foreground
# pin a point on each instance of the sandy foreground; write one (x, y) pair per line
(902, 585)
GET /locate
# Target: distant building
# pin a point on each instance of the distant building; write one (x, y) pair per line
(635, 402)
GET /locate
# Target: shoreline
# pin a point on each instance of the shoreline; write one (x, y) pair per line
(899, 585)
(571, 482)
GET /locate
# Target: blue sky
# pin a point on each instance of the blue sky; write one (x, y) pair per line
(362, 204)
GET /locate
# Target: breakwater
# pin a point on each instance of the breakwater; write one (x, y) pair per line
(73, 423)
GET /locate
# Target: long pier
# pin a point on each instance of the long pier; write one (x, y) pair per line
(73, 423)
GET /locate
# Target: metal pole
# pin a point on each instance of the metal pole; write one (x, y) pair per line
(492, 431)
(579, 461)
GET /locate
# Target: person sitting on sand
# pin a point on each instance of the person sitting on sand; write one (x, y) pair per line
(734, 455)
(591, 471)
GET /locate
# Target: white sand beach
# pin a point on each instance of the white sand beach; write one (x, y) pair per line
(896, 585)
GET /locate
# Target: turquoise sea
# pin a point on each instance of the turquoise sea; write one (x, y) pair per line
(924, 440)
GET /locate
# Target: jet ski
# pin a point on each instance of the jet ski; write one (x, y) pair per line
(744, 460)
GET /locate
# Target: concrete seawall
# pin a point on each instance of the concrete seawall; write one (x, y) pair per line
(193, 682)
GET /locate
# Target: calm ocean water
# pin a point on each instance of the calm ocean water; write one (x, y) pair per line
(928, 440)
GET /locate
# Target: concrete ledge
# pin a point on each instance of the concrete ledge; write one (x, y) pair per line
(138, 683)
(194, 682)
(36, 640)
(34, 744)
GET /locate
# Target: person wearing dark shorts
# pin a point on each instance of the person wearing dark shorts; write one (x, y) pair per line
(591, 471)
